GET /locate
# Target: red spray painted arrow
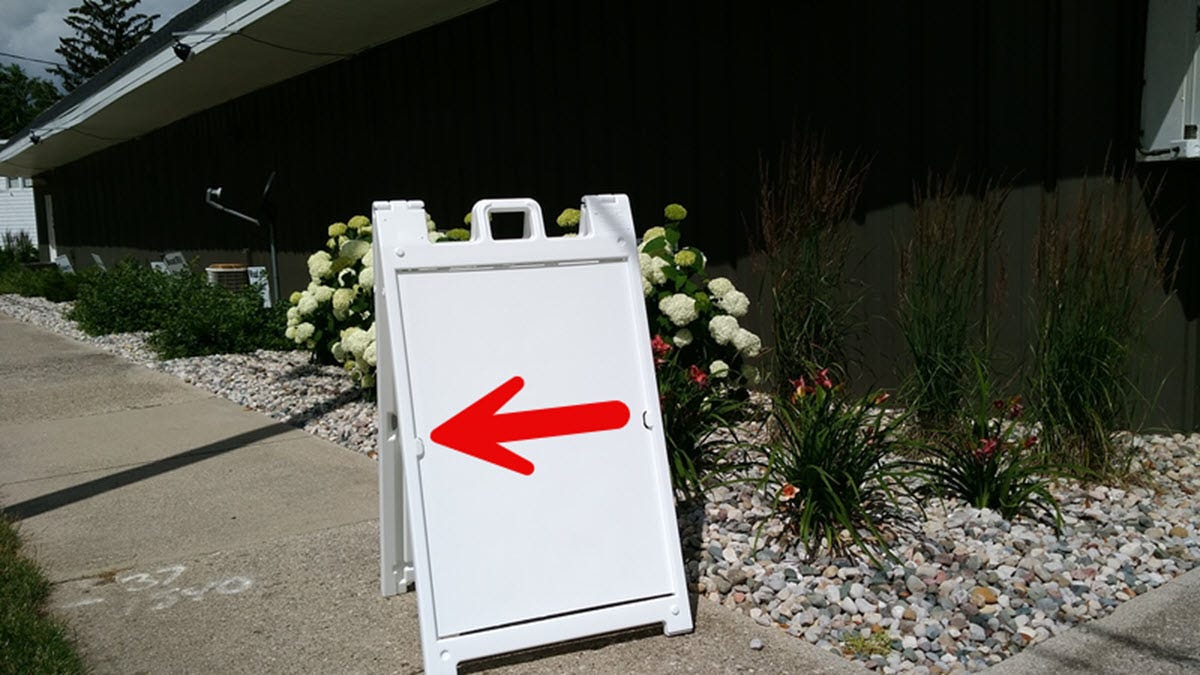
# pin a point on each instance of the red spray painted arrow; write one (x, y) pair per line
(480, 429)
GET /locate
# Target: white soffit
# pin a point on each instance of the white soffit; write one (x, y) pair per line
(162, 89)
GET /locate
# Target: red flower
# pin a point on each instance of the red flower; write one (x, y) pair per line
(988, 448)
(802, 387)
(881, 398)
(822, 379)
(998, 404)
(1030, 442)
(1015, 408)
(787, 492)
(659, 346)
(695, 374)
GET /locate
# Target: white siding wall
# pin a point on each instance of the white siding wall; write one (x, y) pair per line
(16, 208)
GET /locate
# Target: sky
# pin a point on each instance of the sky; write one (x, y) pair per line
(32, 28)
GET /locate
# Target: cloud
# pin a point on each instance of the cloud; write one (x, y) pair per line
(32, 28)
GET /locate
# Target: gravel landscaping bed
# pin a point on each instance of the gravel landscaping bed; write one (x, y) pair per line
(971, 589)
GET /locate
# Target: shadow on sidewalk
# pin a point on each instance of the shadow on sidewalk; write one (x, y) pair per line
(581, 645)
(1154, 653)
(78, 493)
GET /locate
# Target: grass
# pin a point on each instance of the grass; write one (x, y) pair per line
(31, 641)
(879, 644)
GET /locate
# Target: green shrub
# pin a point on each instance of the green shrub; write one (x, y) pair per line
(186, 315)
(804, 209)
(942, 286)
(50, 283)
(699, 351)
(17, 249)
(209, 319)
(831, 471)
(1093, 266)
(129, 297)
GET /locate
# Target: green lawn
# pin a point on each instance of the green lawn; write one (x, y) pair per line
(31, 641)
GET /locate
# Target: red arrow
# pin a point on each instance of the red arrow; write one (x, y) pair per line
(479, 429)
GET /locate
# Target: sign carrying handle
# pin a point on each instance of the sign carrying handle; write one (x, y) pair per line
(481, 229)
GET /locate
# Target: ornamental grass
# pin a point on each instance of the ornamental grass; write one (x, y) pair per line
(942, 311)
(1095, 262)
(805, 202)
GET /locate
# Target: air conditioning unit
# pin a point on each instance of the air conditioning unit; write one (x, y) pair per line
(228, 275)
(1171, 83)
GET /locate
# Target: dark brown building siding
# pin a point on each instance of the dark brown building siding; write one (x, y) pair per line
(670, 101)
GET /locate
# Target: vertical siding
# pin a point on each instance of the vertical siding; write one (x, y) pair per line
(667, 101)
(16, 209)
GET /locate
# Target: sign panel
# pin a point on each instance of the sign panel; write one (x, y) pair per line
(99, 262)
(258, 279)
(523, 407)
(158, 266)
(64, 263)
(175, 262)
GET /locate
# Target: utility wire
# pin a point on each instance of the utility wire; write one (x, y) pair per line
(30, 58)
(42, 131)
(289, 49)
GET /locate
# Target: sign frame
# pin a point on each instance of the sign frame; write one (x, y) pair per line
(408, 544)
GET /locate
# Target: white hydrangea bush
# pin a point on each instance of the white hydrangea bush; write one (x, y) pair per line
(334, 316)
(688, 311)
(701, 350)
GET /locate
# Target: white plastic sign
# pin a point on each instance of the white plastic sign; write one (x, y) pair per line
(64, 263)
(158, 266)
(519, 414)
(99, 262)
(175, 262)
(258, 279)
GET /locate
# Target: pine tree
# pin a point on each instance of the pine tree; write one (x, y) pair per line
(21, 98)
(104, 31)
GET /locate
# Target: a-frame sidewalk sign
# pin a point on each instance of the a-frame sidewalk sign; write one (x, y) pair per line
(524, 484)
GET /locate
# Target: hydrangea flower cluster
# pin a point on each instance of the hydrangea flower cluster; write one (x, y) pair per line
(685, 304)
(333, 316)
(568, 220)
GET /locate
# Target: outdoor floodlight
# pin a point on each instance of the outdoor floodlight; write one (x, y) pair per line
(183, 50)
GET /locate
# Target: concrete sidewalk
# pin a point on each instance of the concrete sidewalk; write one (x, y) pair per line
(186, 534)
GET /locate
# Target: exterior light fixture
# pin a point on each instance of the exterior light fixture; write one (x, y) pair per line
(183, 50)
(212, 197)
(34, 138)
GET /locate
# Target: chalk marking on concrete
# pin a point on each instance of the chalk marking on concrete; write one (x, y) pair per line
(82, 603)
(166, 596)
